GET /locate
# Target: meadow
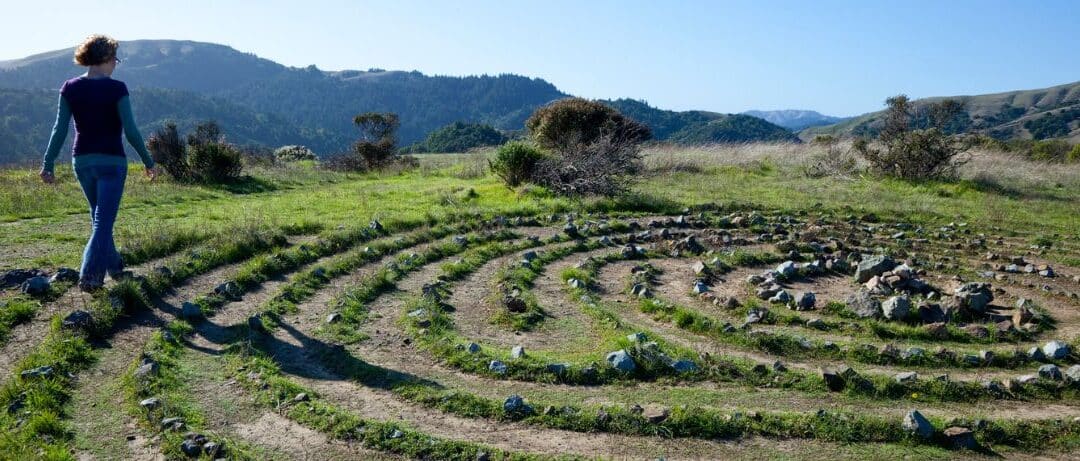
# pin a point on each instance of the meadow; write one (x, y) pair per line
(434, 313)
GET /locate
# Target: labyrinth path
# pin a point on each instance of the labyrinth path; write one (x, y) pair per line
(710, 335)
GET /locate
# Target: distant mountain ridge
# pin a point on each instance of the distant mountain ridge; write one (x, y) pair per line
(260, 101)
(1042, 113)
(794, 119)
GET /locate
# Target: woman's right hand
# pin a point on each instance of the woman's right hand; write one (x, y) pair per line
(151, 173)
(47, 177)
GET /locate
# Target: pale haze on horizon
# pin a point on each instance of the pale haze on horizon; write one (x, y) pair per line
(836, 57)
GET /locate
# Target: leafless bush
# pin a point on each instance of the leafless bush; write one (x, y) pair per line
(606, 167)
(834, 159)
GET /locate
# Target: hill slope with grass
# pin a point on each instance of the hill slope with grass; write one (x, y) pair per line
(1043, 113)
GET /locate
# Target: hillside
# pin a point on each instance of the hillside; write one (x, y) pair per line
(262, 102)
(1030, 114)
(794, 120)
(700, 127)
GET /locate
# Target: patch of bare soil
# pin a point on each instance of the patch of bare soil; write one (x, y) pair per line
(24, 338)
(473, 308)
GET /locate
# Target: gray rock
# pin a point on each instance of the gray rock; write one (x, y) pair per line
(1073, 374)
(805, 301)
(621, 361)
(641, 291)
(974, 296)
(460, 240)
(516, 406)
(915, 423)
(191, 311)
(333, 318)
(637, 337)
(1036, 353)
(896, 307)
(755, 316)
(700, 287)
(397, 434)
(150, 403)
(473, 348)
(191, 448)
(517, 352)
(960, 437)
(816, 323)
(575, 283)
(786, 269)
(1056, 350)
(44, 371)
(65, 274)
(228, 290)
(833, 380)
(79, 320)
(35, 286)
(173, 423)
(906, 377)
(498, 367)
(557, 368)
(684, 366)
(781, 297)
(375, 226)
(872, 266)
(1050, 371)
(863, 305)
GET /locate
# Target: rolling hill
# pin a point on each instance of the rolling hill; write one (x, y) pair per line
(1030, 114)
(258, 101)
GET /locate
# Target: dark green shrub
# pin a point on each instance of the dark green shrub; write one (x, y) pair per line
(377, 147)
(571, 121)
(210, 158)
(206, 157)
(1051, 150)
(460, 137)
(515, 162)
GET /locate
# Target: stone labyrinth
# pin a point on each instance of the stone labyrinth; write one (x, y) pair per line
(630, 337)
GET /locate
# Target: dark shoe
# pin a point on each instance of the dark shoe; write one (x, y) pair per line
(90, 287)
(119, 273)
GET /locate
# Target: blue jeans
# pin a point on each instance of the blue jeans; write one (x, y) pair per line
(103, 186)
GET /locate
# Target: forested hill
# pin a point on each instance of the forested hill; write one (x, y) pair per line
(259, 101)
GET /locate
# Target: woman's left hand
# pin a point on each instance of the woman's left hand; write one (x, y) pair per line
(47, 177)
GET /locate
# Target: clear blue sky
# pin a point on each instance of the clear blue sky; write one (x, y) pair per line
(837, 57)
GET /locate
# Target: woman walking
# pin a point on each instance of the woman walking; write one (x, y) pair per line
(101, 109)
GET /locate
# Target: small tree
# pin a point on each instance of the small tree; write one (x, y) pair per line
(910, 153)
(378, 138)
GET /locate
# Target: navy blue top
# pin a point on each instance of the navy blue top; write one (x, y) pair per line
(93, 103)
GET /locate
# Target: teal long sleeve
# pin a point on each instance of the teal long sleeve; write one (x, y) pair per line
(59, 134)
(132, 131)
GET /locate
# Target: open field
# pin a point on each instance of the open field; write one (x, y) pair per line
(306, 314)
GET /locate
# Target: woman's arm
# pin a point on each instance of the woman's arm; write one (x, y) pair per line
(132, 131)
(59, 134)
